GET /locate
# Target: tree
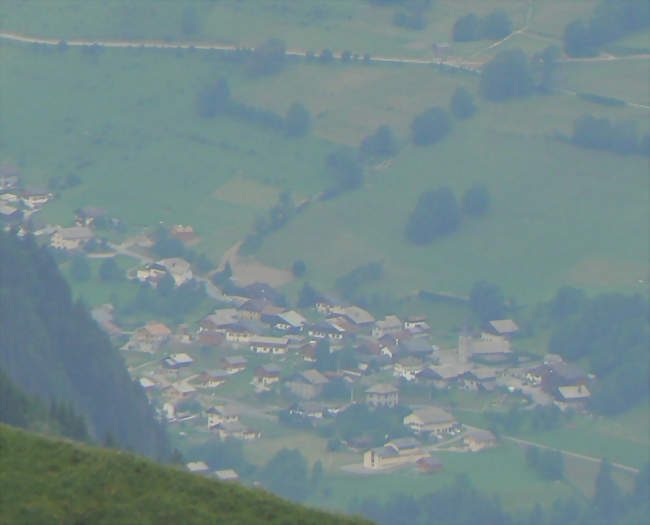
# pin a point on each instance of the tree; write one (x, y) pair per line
(109, 270)
(345, 169)
(317, 474)
(507, 75)
(298, 268)
(190, 21)
(213, 99)
(307, 297)
(462, 103)
(380, 144)
(607, 496)
(497, 25)
(79, 268)
(298, 120)
(268, 57)
(578, 40)
(326, 56)
(430, 126)
(567, 301)
(467, 29)
(476, 200)
(547, 65)
(286, 474)
(487, 301)
(436, 214)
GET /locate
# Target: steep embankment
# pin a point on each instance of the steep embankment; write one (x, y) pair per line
(45, 480)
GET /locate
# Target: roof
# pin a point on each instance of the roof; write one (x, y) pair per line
(197, 466)
(268, 370)
(175, 265)
(183, 388)
(292, 318)
(226, 475)
(158, 329)
(482, 374)
(449, 371)
(356, 314)
(235, 360)
(430, 462)
(497, 346)
(385, 452)
(221, 317)
(91, 211)
(416, 346)
(390, 321)
(145, 382)
(314, 377)
(181, 358)
(382, 388)
(572, 393)
(481, 436)
(216, 374)
(432, 416)
(223, 411)
(504, 326)
(268, 340)
(75, 233)
(404, 443)
(568, 372)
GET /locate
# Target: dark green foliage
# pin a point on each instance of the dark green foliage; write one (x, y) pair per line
(268, 58)
(49, 481)
(214, 99)
(219, 278)
(298, 268)
(190, 21)
(110, 271)
(436, 214)
(345, 169)
(80, 268)
(287, 475)
(51, 347)
(546, 68)
(351, 281)
(413, 19)
(599, 133)
(507, 75)
(298, 120)
(326, 56)
(430, 126)
(497, 25)
(221, 455)
(380, 144)
(467, 29)
(487, 301)
(476, 201)
(462, 103)
(602, 100)
(307, 297)
(377, 424)
(166, 299)
(608, 500)
(567, 301)
(644, 146)
(549, 464)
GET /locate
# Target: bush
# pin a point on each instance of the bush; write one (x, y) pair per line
(380, 144)
(467, 29)
(345, 169)
(487, 301)
(268, 58)
(298, 120)
(462, 103)
(110, 271)
(436, 214)
(213, 99)
(497, 25)
(476, 201)
(507, 75)
(430, 126)
(326, 56)
(299, 268)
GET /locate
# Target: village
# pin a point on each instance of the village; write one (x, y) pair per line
(255, 355)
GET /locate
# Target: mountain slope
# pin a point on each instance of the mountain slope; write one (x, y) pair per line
(45, 480)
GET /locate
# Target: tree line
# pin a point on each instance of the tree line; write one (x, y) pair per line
(494, 26)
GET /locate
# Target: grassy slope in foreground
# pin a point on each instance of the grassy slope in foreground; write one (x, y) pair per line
(44, 480)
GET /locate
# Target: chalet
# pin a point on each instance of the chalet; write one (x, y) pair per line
(262, 291)
(308, 410)
(487, 348)
(307, 385)
(146, 383)
(153, 332)
(197, 467)
(325, 303)
(399, 452)
(266, 375)
(234, 364)
(390, 324)
(408, 367)
(219, 415)
(504, 327)
(71, 238)
(176, 361)
(254, 309)
(353, 314)
(431, 420)
(181, 390)
(478, 379)
(449, 374)
(237, 333)
(269, 345)
(417, 347)
(151, 273)
(237, 430)
(382, 395)
(210, 378)
(182, 233)
(479, 439)
(10, 213)
(326, 330)
(34, 198)
(575, 396)
(290, 321)
(87, 215)
(429, 464)
(211, 337)
(563, 374)
(178, 268)
(308, 352)
(219, 319)
(343, 325)
(228, 474)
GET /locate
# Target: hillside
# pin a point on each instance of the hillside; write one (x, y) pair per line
(44, 480)
(50, 347)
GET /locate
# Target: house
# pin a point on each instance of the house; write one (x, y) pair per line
(325, 303)
(563, 374)
(34, 198)
(71, 238)
(237, 430)
(479, 439)
(290, 321)
(178, 268)
(226, 475)
(10, 213)
(151, 273)
(536, 375)
(197, 467)
(308, 410)
(308, 352)
(417, 326)
(218, 415)
(181, 390)
(269, 345)
(399, 452)
(182, 233)
(307, 384)
(210, 378)
(449, 374)
(488, 348)
(574, 395)
(354, 314)
(504, 327)
(234, 364)
(211, 337)
(408, 367)
(390, 324)
(417, 347)
(237, 333)
(146, 383)
(429, 464)
(382, 395)
(254, 308)
(478, 379)
(431, 420)
(176, 361)
(266, 375)
(219, 319)
(153, 332)
(326, 330)
(87, 215)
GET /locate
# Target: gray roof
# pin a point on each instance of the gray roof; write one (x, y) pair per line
(382, 388)
(314, 377)
(404, 443)
(433, 415)
(385, 452)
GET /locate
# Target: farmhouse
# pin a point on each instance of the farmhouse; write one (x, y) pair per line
(408, 367)
(432, 420)
(576, 396)
(153, 332)
(71, 238)
(178, 268)
(354, 314)
(255, 309)
(218, 415)
(175, 361)
(181, 390)
(234, 364)
(210, 378)
(269, 345)
(480, 439)
(478, 379)
(219, 319)
(398, 452)
(390, 324)
(429, 464)
(326, 330)
(307, 384)
(487, 348)
(266, 375)
(237, 333)
(35, 197)
(382, 395)
(325, 303)
(290, 321)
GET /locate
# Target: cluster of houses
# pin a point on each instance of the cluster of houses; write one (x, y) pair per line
(17, 204)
